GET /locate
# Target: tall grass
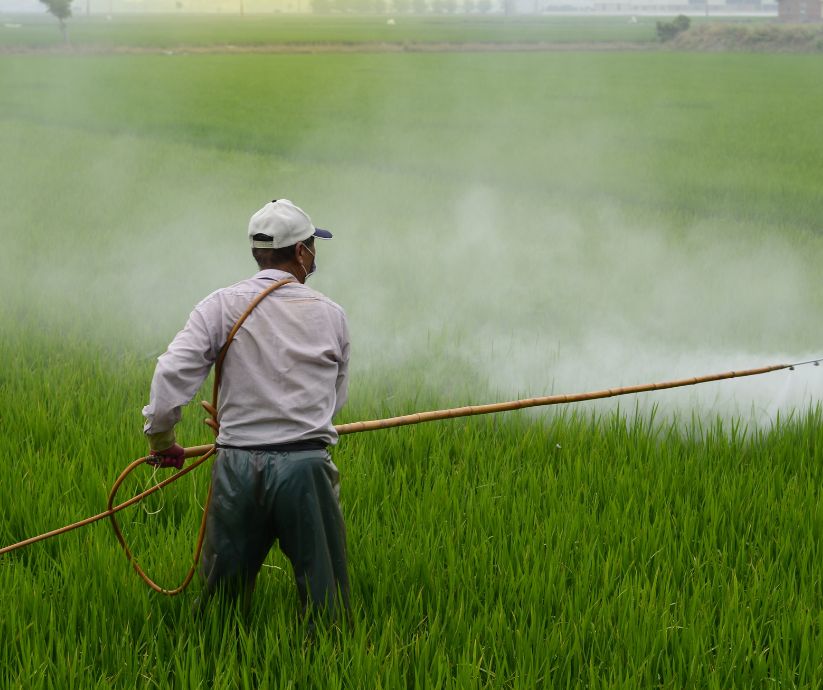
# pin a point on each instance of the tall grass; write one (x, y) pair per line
(597, 548)
(573, 548)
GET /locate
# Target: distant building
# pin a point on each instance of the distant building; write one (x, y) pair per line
(799, 10)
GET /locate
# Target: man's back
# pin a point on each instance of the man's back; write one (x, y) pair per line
(284, 377)
(285, 374)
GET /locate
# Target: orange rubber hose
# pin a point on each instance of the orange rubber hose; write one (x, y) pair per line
(111, 510)
(200, 535)
(213, 423)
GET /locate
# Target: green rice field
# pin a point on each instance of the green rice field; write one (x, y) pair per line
(506, 225)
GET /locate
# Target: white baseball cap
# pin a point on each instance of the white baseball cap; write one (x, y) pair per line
(284, 223)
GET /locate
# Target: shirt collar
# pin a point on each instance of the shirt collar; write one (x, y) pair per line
(273, 274)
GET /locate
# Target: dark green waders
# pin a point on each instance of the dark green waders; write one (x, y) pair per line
(259, 497)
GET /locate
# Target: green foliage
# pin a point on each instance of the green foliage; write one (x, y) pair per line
(59, 8)
(753, 37)
(666, 31)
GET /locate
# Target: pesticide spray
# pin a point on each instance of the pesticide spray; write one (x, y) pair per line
(203, 453)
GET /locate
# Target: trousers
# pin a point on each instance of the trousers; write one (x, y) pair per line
(259, 497)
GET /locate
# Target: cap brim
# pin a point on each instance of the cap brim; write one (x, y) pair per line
(322, 234)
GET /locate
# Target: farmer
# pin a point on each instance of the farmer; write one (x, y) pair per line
(284, 377)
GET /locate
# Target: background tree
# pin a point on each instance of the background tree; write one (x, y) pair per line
(484, 6)
(666, 31)
(62, 10)
(419, 6)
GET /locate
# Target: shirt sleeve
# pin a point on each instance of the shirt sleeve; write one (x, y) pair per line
(342, 383)
(180, 371)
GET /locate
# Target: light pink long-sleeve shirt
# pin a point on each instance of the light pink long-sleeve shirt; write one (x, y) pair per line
(284, 377)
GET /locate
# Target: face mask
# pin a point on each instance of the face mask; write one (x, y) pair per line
(313, 268)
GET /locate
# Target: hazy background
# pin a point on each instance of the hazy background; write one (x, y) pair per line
(505, 225)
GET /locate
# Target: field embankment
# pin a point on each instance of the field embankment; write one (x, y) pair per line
(416, 34)
(319, 33)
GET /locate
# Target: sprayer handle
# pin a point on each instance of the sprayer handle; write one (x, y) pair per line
(196, 451)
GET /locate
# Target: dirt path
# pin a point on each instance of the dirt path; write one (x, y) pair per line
(310, 48)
